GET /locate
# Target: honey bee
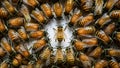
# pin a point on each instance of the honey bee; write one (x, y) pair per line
(101, 64)
(13, 35)
(15, 2)
(58, 9)
(98, 7)
(22, 33)
(17, 60)
(103, 20)
(70, 55)
(96, 53)
(110, 4)
(47, 10)
(79, 45)
(60, 35)
(117, 36)
(113, 64)
(38, 34)
(38, 15)
(86, 5)
(24, 10)
(115, 14)
(46, 53)
(32, 3)
(74, 19)
(102, 36)
(90, 41)
(86, 61)
(40, 44)
(114, 52)
(38, 64)
(110, 28)
(2, 52)
(59, 56)
(3, 28)
(10, 8)
(3, 13)
(31, 26)
(52, 57)
(22, 50)
(118, 4)
(86, 20)
(30, 64)
(5, 44)
(85, 31)
(4, 64)
(16, 22)
(69, 4)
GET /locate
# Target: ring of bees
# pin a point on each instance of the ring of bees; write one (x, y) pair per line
(96, 34)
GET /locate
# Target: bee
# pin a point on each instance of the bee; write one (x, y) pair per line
(12, 34)
(60, 35)
(38, 34)
(39, 44)
(110, 4)
(58, 9)
(70, 55)
(101, 64)
(110, 28)
(38, 64)
(113, 64)
(79, 45)
(115, 14)
(52, 57)
(46, 53)
(30, 64)
(5, 44)
(22, 50)
(74, 19)
(17, 60)
(24, 10)
(38, 15)
(22, 33)
(85, 31)
(16, 22)
(98, 7)
(86, 20)
(117, 35)
(90, 41)
(114, 52)
(32, 3)
(59, 56)
(47, 10)
(3, 12)
(103, 20)
(31, 27)
(96, 53)
(3, 27)
(69, 5)
(10, 8)
(15, 2)
(4, 64)
(85, 60)
(86, 5)
(102, 36)
(2, 52)
(118, 4)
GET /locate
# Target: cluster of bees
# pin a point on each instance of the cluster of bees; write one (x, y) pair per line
(95, 25)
